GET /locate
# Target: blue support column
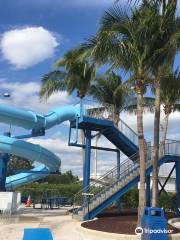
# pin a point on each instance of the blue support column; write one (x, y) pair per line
(4, 158)
(148, 191)
(118, 164)
(3, 169)
(178, 185)
(118, 203)
(86, 173)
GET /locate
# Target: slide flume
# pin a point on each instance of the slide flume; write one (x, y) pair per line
(30, 120)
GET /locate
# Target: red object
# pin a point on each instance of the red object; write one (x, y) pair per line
(28, 203)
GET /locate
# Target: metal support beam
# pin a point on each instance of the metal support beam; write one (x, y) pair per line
(94, 147)
(148, 191)
(163, 186)
(4, 158)
(178, 185)
(3, 169)
(86, 172)
(118, 203)
(118, 164)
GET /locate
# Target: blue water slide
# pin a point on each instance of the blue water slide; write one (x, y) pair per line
(31, 120)
(49, 161)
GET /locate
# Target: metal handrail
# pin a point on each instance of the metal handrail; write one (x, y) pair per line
(166, 152)
(123, 176)
(171, 147)
(113, 175)
(128, 131)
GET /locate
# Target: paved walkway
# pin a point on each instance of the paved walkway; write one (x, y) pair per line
(177, 224)
(62, 225)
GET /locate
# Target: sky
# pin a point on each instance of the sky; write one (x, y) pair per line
(33, 35)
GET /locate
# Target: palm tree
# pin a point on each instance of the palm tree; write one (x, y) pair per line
(170, 97)
(168, 40)
(127, 41)
(71, 74)
(109, 89)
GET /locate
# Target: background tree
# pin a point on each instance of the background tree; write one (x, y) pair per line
(18, 163)
(109, 89)
(64, 178)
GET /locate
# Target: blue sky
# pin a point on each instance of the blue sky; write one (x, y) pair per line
(58, 25)
(70, 22)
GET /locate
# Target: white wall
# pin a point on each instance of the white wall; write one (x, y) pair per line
(10, 202)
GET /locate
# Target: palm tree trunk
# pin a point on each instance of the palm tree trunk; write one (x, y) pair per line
(142, 195)
(116, 116)
(156, 144)
(96, 156)
(116, 119)
(165, 126)
(82, 134)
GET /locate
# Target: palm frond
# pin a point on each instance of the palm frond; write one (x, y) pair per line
(148, 105)
(51, 83)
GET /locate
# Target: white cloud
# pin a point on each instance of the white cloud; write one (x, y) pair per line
(28, 46)
(26, 95)
(71, 157)
(174, 120)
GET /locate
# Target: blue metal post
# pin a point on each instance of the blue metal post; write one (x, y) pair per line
(148, 191)
(3, 169)
(178, 185)
(118, 164)
(118, 203)
(4, 158)
(86, 173)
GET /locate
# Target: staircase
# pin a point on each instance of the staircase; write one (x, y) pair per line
(124, 138)
(98, 196)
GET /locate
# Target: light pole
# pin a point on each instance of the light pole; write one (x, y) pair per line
(7, 95)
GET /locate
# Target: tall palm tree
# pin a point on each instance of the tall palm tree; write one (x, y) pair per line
(127, 41)
(168, 41)
(70, 74)
(170, 97)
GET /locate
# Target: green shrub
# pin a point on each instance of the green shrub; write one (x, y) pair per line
(37, 191)
(130, 199)
(168, 202)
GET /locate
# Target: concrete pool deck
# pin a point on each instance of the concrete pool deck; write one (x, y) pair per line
(62, 225)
